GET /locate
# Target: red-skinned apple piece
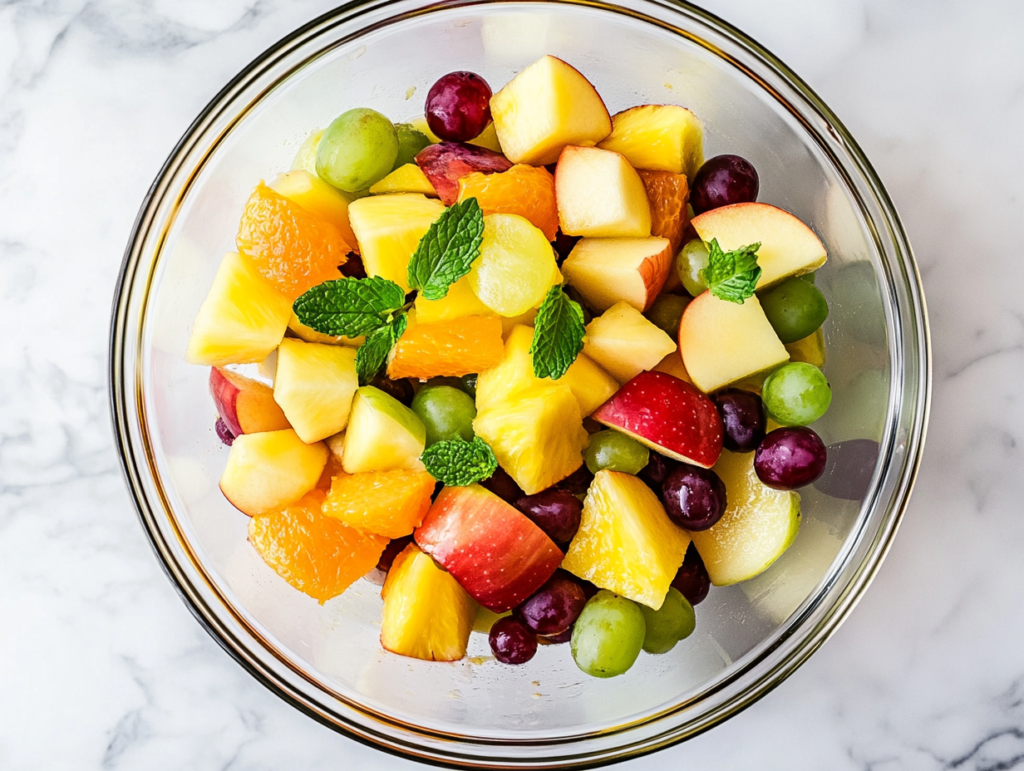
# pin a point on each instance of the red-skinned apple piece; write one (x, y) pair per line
(446, 163)
(668, 415)
(246, 406)
(496, 553)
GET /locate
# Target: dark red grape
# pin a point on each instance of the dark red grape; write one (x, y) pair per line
(849, 469)
(555, 639)
(459, 106)
(556, 512)
(353, 267)
(692, 581)
(504, 486)
(578, 482)
(790, 457)
(589, 590)
(223, 432)
(564, 244)
(554, 607)
(743, 419)
(511, 642)
(392, 550)
(400, 389)
(721, 181)
(657, 470)
(694, 497)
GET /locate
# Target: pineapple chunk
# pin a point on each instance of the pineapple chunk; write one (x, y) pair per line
(317, 197)
(508, 323)
(314, 387)
(242, 319)
(537, 435)
(626, 542)
(420, 124)
(405, 179)
(305, 156)
(427, 615)
(625, 343)
(673, 365)
(488, 139)
(590, 384)
(310, 335)
(658, 137)
(810, 349)
(460, 301)
(389, 228)
(383, 434)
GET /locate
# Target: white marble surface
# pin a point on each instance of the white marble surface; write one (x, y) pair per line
(101, 666)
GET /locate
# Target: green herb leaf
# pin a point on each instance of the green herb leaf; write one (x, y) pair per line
(349, 306)
(375, 349)
(732, 275)
(449, 248)
(558, 334)
(458, 463)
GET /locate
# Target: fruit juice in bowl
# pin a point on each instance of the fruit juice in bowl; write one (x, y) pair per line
(546, 351)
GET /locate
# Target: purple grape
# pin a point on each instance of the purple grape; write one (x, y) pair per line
(692, 581)
(721, 181)
(694, 497)
(790, 457)
(743, 419)
(849, 469)
(353, 267)
(400, 389)
(459, 106)
(556, 512)
(504, 486)
(578, 482)
(223, 432)
(564, 244)
(657, 470)
(392, 550)
(556, 639)
(553, 608)
(511, 642)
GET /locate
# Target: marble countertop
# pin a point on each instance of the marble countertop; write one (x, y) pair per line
(101, 665)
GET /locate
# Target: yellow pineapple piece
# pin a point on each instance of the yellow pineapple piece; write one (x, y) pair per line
(420, 124)
(658, 137)
(626, 542)
(488, 138)
(316, 196)
(673, 365)
(427, 615)
(537, 434)
(310, 335)
(242, 319)
(625, 342)
(810, 349)
(405, 179)
(590, 384)
(305, 156)
(460, 301)
(314, 386)
(389, 228)
(510, 323)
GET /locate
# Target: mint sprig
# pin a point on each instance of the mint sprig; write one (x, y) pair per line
(447, 251)
(372, 354)
(558, 334)
(458, 463)
(350, 306)
(732, 275)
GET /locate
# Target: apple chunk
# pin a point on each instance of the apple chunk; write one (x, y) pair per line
(246, 406)
(659, 137)
(788, 246)
(722, 342)
(607, 270)
(445, 164)
(544, 108)
(271, 469)
(625, 343)
(495, 552)
(668, 415)
(600, 195)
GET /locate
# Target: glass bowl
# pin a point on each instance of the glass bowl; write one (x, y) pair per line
(327, 660)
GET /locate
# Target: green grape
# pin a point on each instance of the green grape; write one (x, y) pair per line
(690, 262)
(608, 635)
(410, 142)
(616, 452)
(666, 312)
(672, 622)
(469, 384)
(809, 277)
(446, 412)
(796, 394)
(357, 149)
(795, 309)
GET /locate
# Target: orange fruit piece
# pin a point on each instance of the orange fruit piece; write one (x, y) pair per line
(388, 503)
(447, 348)
(668, 194)
(528, 191)
(316, 554)
(290, 246)
(331, 470)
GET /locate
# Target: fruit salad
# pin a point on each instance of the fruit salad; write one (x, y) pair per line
(537, 370)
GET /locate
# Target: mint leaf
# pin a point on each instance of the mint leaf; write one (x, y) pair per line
(446, 252)
(349, 306)
(458, 463)
(732, 275)
(372, 354)
(557, 335)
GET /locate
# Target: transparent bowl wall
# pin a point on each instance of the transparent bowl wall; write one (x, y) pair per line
(327, 659)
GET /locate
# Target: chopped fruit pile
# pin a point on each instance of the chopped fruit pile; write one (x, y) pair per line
(523, 357)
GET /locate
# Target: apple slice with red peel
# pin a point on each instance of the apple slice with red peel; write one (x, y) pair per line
(495, 552)
(245, 405)
(668, 415)
(610, 270)
(446, 163)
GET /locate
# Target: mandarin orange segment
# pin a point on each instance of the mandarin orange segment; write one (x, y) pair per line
(331, 470)
(668, 194)
(447, 348)
(388, 503)
(290, 246)
(524, 190)
(316, 554)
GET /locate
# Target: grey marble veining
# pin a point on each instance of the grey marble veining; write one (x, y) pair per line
(101, 665)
